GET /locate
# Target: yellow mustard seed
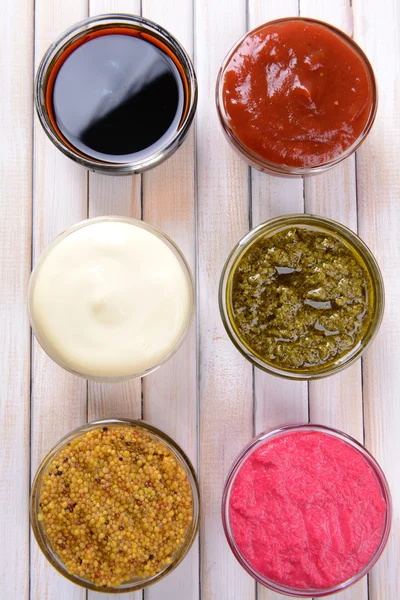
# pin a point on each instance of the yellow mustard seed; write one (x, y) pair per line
(115, 505)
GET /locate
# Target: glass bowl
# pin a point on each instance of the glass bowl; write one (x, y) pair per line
(256, 443)
(349, 239)
(46, 546)
(282, 170)
(52, 353)
(79, 34)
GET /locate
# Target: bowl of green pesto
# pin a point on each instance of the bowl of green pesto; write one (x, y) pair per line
(301, 296)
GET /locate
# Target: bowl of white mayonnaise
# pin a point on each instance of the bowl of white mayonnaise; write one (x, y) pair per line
(111, 299)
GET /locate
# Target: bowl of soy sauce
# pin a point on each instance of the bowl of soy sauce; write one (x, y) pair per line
(117, 93)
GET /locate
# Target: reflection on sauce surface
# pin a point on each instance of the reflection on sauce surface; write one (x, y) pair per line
(301, 299)
(118, 98)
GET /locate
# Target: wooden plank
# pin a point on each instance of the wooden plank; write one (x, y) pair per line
(289, 399)
(336, 401)
(378, 182)
(118, 196)
(100, 7)
(225, 389)
(110, 195)
(59, 400)
(169, 203)
(60, 190)
(277, 400)
(16, 62)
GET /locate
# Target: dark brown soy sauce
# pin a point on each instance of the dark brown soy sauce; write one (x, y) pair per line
(118, 98)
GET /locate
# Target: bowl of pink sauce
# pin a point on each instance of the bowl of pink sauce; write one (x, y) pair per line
(306, 510)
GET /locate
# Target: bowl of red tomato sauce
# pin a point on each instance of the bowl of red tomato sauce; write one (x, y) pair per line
(296, 96)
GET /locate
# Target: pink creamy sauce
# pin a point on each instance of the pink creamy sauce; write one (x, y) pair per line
(307, 511)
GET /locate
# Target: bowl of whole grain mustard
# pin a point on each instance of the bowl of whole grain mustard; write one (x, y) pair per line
(115, 505)
(301, 296)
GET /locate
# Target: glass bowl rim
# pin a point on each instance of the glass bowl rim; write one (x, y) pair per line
(180, 456)
(258, 161)
(353, 240)
(78, 30)
(130, 221)
(238, 463)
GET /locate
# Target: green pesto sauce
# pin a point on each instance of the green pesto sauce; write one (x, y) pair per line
(301, 299)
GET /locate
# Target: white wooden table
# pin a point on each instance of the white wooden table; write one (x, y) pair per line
(208, 397)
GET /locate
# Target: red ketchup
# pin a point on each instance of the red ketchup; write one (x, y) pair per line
(297, 93)
(307, 511)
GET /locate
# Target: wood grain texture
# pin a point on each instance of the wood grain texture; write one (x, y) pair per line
(204, 190)
(170, 393)
(114, 196)
(16, 62)
(277, 400)
(120, 196)
(376, 28)
(336, 401)
(225, 377)
(59, 201)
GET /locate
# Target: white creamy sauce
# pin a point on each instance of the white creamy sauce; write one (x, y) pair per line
(111, 299)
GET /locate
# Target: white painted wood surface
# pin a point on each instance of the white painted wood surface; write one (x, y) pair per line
(207, 397)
